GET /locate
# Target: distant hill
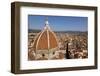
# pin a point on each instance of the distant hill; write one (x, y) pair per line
(38, 30)
(70, 31)
(34, 30)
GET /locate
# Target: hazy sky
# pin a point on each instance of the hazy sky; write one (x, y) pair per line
(58, 23)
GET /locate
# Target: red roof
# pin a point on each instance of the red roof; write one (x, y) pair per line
(46, 39)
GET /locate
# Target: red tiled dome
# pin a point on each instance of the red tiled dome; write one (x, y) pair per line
(45, 40)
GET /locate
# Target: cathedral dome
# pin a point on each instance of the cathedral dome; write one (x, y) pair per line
(45, 45)
(46, 39)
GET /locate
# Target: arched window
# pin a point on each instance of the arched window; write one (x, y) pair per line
(53, 53)
(43, 55)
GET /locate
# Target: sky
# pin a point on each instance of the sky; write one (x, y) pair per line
(58, 23)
